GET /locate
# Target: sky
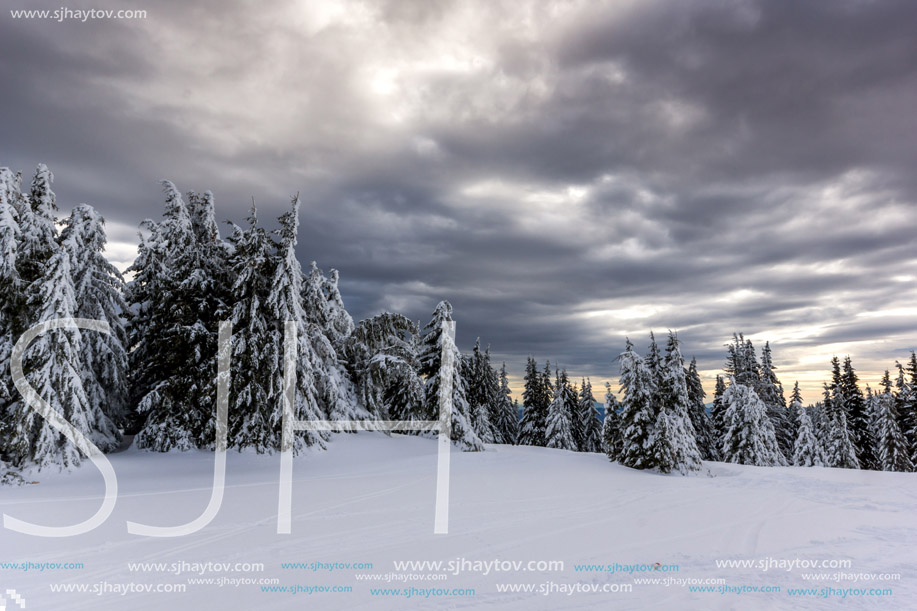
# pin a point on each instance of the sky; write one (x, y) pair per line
(566, 174)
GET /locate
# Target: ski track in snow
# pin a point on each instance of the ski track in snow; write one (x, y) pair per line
(370, 498)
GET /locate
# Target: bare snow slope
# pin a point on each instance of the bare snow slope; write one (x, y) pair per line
(370, 499)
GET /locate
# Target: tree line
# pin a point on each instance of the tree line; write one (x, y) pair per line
(154, 375)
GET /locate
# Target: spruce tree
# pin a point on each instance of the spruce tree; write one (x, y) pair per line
(99, 290)
(858, 416)
(382, 359)
(535, 401)
(840, 451)
(10, 288)
(807, 450)
(703, 426)
(285, 304)
(637, 412)
(37, 227)
(255, 361)
(673, 443)
(336, 394)
(433, 339)
(506, 416)
(53, 366)
(770, 391)
(717, 411)
(612, 441)
(906, 403)
(589, 418)
(749, 437)
(476, 371)
(559, 429)
(175, 310)
(891, 449)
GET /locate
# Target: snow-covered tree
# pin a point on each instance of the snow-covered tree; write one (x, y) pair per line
(749, 437)
(559, 428)
(770, 391)
(505, 415)
(285, 304)
(858, 416)
(741, 362)
(704, 432)
(480, 391)
(253, 398)
(38, 241)
(433, 339)
(673, 442)
(337, 395)
(718, 410)
(10, 285)
(891, 449)
(53, 366)
(612, 441)
(807, 451)
(99, 290)
(176, 304)
(840, 451)
(536, 397)
(589, 419)
(382, 358)
(637, 414)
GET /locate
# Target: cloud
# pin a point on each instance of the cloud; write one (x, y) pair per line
(565, 173)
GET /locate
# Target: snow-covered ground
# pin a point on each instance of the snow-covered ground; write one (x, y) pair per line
(370, 499)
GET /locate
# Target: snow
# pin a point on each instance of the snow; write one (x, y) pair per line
(369, 498)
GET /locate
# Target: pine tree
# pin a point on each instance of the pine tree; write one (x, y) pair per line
(858, 416)
(285, 304)
(612, 441)
(382, 359)
(476, 371)
(637, 413)
(589, 419)
(793, 411)
(559, 429)
(37, 225)
(807, 450)
(718, 410)
(433, 340)
(535, 400)
(840, 451)
(770, 391)
(10, 287)
(703, 426)
(175, 309)
(891, 448)
(255, 361)
(749, 437)
(741, 362)
(53, 367)
(336, 394)
(99, 290)
(906, 403)
(673, 443)
(506, 417)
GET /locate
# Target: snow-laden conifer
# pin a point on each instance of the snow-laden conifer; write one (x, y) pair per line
(807, 451)
(433, 340)
(559, 428)
(749, 437)
(589, 419)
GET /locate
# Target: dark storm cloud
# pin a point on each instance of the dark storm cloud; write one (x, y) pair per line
(565, 173)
